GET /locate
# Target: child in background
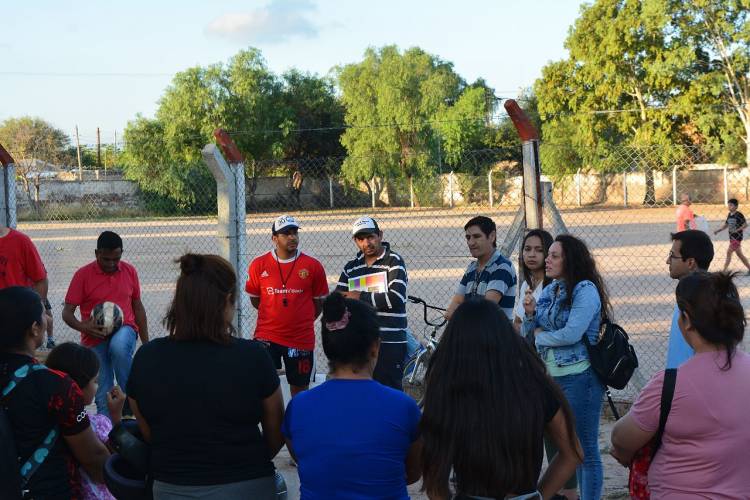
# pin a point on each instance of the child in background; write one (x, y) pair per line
(82, 365)
(736, 224)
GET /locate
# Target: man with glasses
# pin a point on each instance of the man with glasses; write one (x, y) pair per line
(491, 275)
(691, 251)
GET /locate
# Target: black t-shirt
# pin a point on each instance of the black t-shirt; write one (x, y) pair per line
(550, 406)
(734, 221)
(41, 401)
(203, 403)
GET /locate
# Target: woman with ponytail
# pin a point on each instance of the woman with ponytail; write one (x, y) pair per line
(351, 436)
(200, 393)
(703, 452)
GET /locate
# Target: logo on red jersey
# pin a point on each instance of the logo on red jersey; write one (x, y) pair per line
(303, 273)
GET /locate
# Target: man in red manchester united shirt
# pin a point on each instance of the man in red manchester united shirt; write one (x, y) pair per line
(287, 288)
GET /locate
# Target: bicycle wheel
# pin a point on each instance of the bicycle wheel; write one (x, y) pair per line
(414, 373)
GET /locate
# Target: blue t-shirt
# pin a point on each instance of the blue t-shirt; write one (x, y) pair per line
(351, 438)
(678, 350)
(498, 274)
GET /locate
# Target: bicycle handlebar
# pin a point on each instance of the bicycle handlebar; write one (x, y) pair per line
(425, 306)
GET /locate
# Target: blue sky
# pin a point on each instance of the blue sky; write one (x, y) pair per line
(100, 63)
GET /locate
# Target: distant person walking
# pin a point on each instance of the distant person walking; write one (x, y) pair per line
(736, 224)
(685, 215)
(691, 251)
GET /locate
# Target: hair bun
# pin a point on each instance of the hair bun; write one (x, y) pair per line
(334, 307)
(190, 262)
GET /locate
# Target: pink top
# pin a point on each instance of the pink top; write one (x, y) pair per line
(684, 213)
(707, 436)
(91, 490)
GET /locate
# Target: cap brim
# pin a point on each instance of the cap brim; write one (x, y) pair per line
(287, 228)
(366, 231)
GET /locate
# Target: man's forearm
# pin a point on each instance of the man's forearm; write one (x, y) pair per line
(41, 287)
(69, 317)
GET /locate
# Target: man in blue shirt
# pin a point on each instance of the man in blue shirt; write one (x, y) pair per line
(491, 275)
(691, 251)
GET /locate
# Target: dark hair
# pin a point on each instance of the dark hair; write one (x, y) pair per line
(352, 343)
(734, 202)
(108, 240)
(485, 224)
(697, 245)
(80, 362)
(712, 302)
(20, 308)
(483, 365)
(546, 240)
(200, 298)
(579, 265)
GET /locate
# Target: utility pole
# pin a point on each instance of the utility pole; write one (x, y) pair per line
(78, 150)
(98, 149)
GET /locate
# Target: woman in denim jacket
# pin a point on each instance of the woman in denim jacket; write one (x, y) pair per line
(569, 308)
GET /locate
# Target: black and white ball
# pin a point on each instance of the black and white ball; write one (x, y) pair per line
(108, 315)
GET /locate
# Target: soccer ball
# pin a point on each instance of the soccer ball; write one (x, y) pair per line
(109, 316)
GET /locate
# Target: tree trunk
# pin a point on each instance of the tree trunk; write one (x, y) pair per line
(649, 197)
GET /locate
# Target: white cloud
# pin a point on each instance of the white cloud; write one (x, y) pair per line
(274, 23)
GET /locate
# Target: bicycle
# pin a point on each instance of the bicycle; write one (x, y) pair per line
(416, 367)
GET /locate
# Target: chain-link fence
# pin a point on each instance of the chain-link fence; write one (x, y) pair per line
(622, 204)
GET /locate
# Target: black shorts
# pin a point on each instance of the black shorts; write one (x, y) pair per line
(297, 363)
(390, 367)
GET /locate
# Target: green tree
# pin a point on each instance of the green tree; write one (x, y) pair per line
(719, 98)
(262, 112)
(391, 99)
(618, 87)
(33, 142)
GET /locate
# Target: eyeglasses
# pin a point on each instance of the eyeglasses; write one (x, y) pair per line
(673, 256)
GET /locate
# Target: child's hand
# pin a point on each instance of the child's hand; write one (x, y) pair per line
(115, 402)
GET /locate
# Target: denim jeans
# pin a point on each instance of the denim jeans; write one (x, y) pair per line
(115, 358)
(584, 393)
(412, 345)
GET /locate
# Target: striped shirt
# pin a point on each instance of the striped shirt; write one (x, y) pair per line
(499, 275)
(390, 305)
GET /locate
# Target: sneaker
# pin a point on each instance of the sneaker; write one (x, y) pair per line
(51, 343)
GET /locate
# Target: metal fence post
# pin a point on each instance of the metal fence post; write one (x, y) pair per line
(726, 186)
(489, 188)
(674, 185)
(578, 187)
(231, 230)
(532, 170)
(373, 192)
(7, 190)
(450, 188)
(625, 188)
(330, 190)
(411, 191)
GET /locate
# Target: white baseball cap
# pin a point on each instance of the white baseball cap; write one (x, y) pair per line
(284, 222)
(365, 225)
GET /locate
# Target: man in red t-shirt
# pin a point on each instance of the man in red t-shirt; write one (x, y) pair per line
(108, 279)
(287, 288)
(20, 265)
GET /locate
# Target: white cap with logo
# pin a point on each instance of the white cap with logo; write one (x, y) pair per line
(365, 225)
(285, 222)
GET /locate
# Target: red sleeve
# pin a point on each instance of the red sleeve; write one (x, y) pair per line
(67, 406)
(75, 290)
(252, 286)
(32, 263)
(136, 285)
(320, 283)
(647, 407)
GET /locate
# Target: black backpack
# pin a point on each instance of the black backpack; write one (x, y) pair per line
(612, 357)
